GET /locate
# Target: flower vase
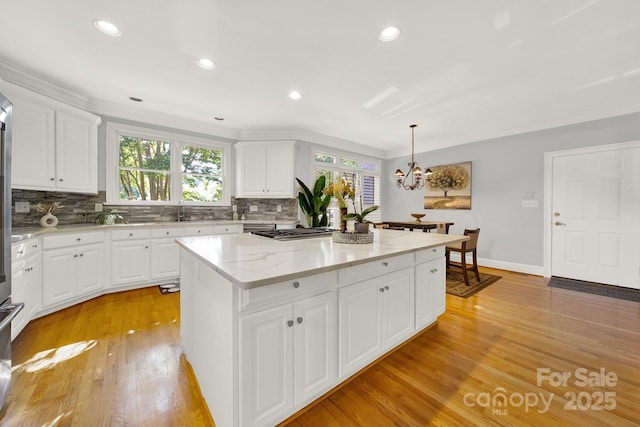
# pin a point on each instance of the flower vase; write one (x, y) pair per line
(343, 222)
(361, 227)
(48, 220)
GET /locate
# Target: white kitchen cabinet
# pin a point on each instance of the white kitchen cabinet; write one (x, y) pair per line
(26, 282)
(165, 253)
(265, 169)
(54, 145)
(72, 271)
(430, 291)
(287, 357)
(130, 257)
(375, 315)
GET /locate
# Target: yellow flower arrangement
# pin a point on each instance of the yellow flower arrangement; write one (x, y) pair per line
(342, 190)
(41, 207)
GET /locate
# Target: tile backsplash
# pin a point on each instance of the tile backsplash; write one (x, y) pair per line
(79, 209)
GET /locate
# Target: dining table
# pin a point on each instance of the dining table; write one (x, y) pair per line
(425, 226)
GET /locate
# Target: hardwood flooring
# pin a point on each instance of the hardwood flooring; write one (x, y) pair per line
(115, 361)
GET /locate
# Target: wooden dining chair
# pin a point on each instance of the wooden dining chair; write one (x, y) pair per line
(464, 248)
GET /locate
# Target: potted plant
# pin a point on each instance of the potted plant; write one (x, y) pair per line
(314, 203)
(361, 225)
(110, 217)
(343, 191)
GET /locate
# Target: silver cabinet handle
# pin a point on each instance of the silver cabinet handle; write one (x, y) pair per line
(381, 289)
(81, 255)
(34, 246)
(52, 179)
(167, 233)
(146, 247)
(19, 252)
(559, 223)
(296, 284)
(386, 288)
(299, 320)
(130, 234)
(61, 180)
(75, 256)
(290, 323)
(78, 239)
(434, 250)
(385, 263)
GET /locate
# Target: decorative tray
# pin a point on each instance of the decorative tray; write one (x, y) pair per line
(351, 237)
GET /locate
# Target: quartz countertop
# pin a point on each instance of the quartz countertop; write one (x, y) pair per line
(250, 261)
(21, 233)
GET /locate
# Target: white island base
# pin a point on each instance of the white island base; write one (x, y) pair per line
(270, 326)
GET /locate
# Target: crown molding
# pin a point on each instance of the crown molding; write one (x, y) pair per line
(311, 137)
(40, 84)
(128, 112)
(539, 124)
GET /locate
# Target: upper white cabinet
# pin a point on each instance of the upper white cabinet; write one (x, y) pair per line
(55, 146)
(265, 169)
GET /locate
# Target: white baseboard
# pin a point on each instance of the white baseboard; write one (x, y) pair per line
(537, 270)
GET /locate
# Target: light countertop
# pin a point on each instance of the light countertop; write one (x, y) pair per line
(21, 233)
(250, 261)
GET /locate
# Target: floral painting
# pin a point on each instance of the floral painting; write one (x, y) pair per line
(449, 187)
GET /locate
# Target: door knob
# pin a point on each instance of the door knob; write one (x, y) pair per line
(559, 223)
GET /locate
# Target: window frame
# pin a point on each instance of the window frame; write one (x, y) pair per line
(176, 141)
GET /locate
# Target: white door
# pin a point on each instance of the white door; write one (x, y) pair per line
(596, 215)
(398, 307)
(314, 346)
(165, 259)
(90, 263)
(359, 325)
(130, 262)
(280, 171)
(252, 165)
(266, 357)
(59, 276)
(430, 291)
(76, 154)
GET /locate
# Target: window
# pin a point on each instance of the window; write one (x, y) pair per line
(146, 166)
(361, 172)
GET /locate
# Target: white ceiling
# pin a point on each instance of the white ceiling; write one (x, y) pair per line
(463, 70)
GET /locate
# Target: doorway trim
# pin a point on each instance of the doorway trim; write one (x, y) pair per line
(548, 188)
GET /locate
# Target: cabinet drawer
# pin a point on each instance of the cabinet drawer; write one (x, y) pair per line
(374, 268)
(70, 240)
(287, 291)
(25, 248)
(227, 229)
(130, 234)
(167, 232)
(199, 231)
(429, 254)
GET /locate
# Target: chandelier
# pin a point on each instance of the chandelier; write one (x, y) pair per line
(417, 181)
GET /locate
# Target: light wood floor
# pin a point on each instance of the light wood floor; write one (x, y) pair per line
(115, 360)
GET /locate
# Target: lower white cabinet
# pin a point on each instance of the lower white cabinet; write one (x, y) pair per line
(26, 282)
(130, 262)
(430, 291)
(70, 272)
(375, 315)
(287, 356)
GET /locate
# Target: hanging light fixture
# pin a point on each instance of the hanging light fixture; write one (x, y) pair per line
(417, 182)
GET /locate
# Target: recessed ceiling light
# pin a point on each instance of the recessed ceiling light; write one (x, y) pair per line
(107, 28)
(295, 95)
(206, 64)
(389, 33)
(134, 99)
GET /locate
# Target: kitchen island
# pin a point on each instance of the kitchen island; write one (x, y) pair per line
(269, 326)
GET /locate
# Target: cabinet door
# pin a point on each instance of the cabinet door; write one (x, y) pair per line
(90, 263)
(314, 346)
(129, 262)
(279, 171)
(33, 291)
(59, 276)
(165, 259)
(266, 357)
(251, 172)
(398, 307)
(33, 155)
(76, 154)
(18, 290)
(430, 291)
(360, 325)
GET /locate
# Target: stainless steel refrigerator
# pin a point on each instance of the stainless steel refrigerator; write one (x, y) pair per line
(8, 309)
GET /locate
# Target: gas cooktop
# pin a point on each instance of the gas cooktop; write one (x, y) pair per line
(294, 233)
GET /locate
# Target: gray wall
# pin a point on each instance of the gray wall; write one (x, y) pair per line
(503, 169)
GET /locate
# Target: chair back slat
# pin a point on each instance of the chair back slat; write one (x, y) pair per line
(473, 238)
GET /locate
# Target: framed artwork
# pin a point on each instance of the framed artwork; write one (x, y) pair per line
(449, 187)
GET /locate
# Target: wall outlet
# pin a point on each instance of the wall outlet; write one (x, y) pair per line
(253, 208)
(98, 207)
(529, 203)
(279, 208)
(234, 208)
(22, 207)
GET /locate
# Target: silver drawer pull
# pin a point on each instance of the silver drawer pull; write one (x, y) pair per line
(289, 323)
(78, 239)
(385, 263)
(19, 252)
(299, 319)
(167, 232)
(130, 234)
(386, 288)
(296, 285)
(75, 256)
(434, 250)
(381, 289)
